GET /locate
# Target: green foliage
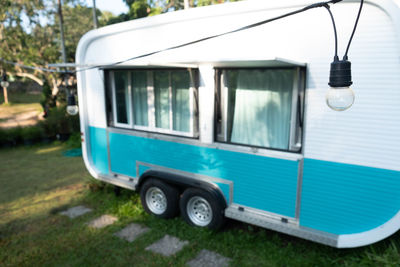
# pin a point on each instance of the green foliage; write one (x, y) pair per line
(38, 44)
(47, 100)
(32, 133)
(59, 122)
(74, 141)
(139, 9)
(10, 136)
(143, 8)
(78, 20)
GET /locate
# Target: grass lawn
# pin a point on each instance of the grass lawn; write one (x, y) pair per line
(21, 98)
(38, 182)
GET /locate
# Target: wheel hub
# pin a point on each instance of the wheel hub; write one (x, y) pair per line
(199, 211)
(156, 200)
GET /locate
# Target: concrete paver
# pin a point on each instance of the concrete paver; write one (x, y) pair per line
(167, 246)
(131, 232)
(76, 211)
(208, 258)
(102, 221)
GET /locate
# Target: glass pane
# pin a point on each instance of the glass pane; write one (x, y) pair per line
(161, 101)
(121, 96)
(260, 107)
(139, 95)
(180, 100)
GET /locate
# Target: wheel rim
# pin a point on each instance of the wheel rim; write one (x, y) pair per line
(199, 211)
(156, 200)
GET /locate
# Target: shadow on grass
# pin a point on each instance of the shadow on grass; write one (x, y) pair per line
(59, 240)
(35, 234)
(29, 171)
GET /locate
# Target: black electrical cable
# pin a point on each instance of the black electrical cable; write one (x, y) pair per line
(354, 30)
(320, 4)
(335, 32)
(29, 67)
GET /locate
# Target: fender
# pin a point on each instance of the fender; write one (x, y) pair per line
(183, 181)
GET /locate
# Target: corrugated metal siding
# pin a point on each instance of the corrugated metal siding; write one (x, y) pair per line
(259, 182)
(345, 199)
(369, 133)
(98, 147)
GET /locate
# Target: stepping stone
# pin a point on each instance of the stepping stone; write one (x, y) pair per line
(167, 246)
(131, 232)
(102, 221)
(75, 211)
(208, 258)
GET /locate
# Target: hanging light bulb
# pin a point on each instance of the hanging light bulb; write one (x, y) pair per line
(340, 96)
(72, 107)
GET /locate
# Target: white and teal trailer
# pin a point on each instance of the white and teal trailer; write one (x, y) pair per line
(237, 126)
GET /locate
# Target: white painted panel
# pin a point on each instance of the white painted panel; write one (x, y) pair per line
(206, 103)
(372, 236)
(96, 98)
(367, 134)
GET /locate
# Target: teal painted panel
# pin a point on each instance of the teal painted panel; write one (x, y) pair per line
(260, 182)
(345, 199)
(142, 169)
(225, 190)
(98, 147)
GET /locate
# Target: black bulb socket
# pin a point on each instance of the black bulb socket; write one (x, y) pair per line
(340, 74)
(71, 100)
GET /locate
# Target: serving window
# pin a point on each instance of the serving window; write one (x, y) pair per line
(260, 107)
(155, 100)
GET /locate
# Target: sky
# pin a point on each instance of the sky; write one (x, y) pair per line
(115, 6)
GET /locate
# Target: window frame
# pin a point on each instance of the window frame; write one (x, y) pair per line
(151, 113)
(297, 108)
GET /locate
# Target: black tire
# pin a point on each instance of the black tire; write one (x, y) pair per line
(159, 199)
(201, 208)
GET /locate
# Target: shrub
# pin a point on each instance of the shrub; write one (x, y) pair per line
(59, 122)
(32, 133)
(74, 140)
(11, 136)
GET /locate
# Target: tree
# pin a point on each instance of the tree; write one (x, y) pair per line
(38, 42)
(144, 8)
(14, 39)
(78, 20)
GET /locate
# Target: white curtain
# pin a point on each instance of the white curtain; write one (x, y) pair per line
(139, 98)
(180, 101)
(262, 107)
(161, 101)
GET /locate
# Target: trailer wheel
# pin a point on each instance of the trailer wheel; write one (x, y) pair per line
(159, 199)
(200, 208)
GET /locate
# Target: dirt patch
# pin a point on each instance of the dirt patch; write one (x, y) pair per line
(24, 119)
(19, 115)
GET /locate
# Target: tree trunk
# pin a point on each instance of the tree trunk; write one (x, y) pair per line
(30, 76)
(5, 95)
(186, 4)
(55, 90)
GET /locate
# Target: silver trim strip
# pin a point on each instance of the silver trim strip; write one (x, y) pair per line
(265, 214)
(108, 150)
(299, 188)
(196, 176)
(128, 184)
(221, 146)
(262, 220)
(293, 116)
